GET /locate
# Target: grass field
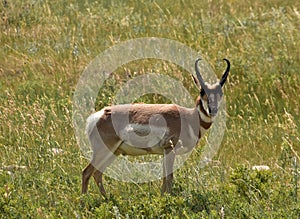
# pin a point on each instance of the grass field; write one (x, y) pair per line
(46, 45)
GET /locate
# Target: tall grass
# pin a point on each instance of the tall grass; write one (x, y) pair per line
(45, 46)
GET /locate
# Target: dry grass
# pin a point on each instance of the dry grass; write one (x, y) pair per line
(45, 46)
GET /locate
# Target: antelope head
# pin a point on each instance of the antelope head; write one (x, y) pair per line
(210, 94)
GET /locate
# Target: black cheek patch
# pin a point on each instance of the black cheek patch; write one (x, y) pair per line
(202, 92)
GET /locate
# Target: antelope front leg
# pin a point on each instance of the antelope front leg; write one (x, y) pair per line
(168, 163)
(98, 179)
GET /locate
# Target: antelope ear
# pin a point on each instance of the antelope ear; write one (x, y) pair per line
(196, 81)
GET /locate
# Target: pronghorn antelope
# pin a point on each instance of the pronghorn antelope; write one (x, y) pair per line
(140, 129)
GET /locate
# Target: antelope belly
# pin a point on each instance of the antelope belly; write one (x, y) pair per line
(126, 149)
(143, 136)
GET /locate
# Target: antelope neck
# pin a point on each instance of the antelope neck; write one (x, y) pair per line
(205, 119)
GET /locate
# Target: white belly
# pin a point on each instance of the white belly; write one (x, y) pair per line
(143, 136)
(126, 149)
(140, 139)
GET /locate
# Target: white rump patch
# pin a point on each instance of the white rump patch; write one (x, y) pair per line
(92, 121)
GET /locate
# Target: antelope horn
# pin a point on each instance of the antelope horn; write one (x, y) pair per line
(199, 77)
(224, 77)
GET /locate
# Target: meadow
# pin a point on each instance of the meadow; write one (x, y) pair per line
(45, 47)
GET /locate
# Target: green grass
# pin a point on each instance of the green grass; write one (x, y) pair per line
(45, 46)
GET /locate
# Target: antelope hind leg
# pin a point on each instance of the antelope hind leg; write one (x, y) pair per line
(86, 175)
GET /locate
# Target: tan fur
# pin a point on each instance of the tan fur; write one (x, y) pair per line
(182, 127)
(140, 129)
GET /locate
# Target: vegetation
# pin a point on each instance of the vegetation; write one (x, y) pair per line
(45, 46)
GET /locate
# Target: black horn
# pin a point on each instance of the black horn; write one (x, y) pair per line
(199, 77)
(224, 77)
